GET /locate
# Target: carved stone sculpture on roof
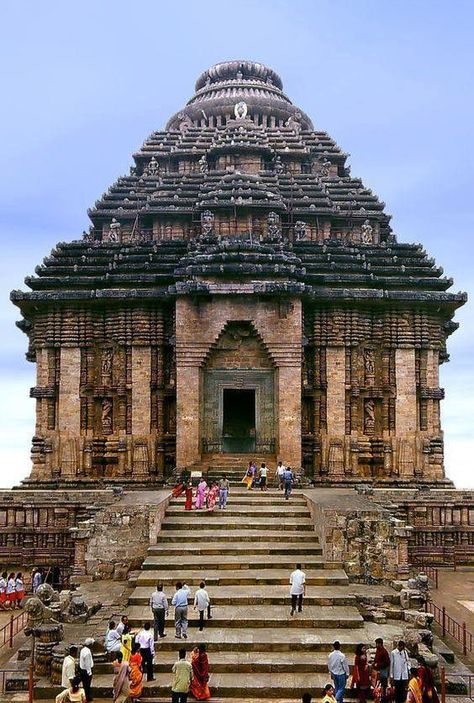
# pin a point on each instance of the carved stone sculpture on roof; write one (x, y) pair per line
(115, 231)
(185, 122)
(207, 222)
(273, 235)
(294, 123)
(325, 168)
(367, 233)
(278, 164)
(153, 168)
(203, 165)
(300, 230)
(240, 110)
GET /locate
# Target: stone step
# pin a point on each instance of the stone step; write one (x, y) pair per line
(250, 536)
(256, 616)
(216, 520)
(237, 562)
(244, 662)
(237, 548)
(256, 510)
(263, 686)
(271, 595)
(214, 577)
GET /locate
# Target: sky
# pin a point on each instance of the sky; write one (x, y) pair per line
(84, 82)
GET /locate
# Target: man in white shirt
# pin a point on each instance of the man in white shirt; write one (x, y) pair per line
(146, 641)
(202, 602)
(86, 664)
(281, 468)
(180, 602)
(159, 608)
(69, 667)
(297, 589)
(263, 477)
(123, 627)
(400, 671)
(339, 669)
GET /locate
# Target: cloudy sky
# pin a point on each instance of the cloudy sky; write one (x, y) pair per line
(83, 83)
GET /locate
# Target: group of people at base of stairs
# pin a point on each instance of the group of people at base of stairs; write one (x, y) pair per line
(258, 478)
(187, 677)
(205, 496)
(390, 677)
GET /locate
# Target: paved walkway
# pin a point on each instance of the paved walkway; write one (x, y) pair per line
(456, 592)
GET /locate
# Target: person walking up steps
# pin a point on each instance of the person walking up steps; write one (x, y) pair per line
(297, 589)
(147, 649)
(288, 482)
(339, 669)
(224, 486)
(263, 477)
(159, 608)
(182, 677)
(180, 602)
(202, 602)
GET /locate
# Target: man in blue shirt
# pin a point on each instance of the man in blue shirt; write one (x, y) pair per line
(288, 482)
(180, 602)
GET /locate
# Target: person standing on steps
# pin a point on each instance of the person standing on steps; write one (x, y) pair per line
(224, 487)
(339, 669)
(69, 667)
(182, 677)
(159, 608)
(279, 475)
(400, 671)
(147, 649)
(188, 492)
(86, 664)
(381, 665)
(202, 602)
(297, 589)
(263, 477)
(288, 482)
(180, 602)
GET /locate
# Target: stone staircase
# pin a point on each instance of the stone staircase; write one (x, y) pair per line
(245, 554)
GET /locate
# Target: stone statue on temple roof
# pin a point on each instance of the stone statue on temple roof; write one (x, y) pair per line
(115, 231)
(240, 110)
(278, 164)
(293, 122)
(325, 169)
(185, 122)
(203, 165)
(153, 168)
(300, 230)
(207, 222)
(367, 233)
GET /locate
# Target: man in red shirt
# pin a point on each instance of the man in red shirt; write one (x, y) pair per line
(381, 663)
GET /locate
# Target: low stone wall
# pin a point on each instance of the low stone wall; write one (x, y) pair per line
(371, 543)
(116, 540)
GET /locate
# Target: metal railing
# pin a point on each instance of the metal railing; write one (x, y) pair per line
(449, 626)
(9, 631)
(468, 679)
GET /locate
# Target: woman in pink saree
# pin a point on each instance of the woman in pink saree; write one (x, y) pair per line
(201, 492)
(212, 497)
(121, 682)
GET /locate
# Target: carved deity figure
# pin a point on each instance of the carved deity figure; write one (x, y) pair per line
(153, 168)
(367, 233)
(203, 165)
(106, 367)
(293, 122)
(369, 366)
(240, 110)
(273, 226)
(325, 168)
(300, 230)
(278, 164)
(106, 416)
(115, 231)
(369, 416)
(185, 122)
(207, 222)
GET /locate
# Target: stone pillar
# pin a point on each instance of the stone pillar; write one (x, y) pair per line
(405, 404)
(69, 407)
(42, 379)
(289, 415)
(336, 390)
(187, 414)
(141, 390)
(403, 534)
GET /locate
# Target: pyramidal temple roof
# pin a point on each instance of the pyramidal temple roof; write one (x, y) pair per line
(239, 185)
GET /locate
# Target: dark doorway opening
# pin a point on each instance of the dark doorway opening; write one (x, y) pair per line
(238, 421)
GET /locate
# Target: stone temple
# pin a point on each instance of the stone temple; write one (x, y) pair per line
(238, 293)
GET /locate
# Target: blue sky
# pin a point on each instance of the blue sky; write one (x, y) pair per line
(83, 83)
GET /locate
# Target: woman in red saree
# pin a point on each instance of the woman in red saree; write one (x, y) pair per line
(360, 673)
(136, 673)
(429, 693)
(200, 663)
(188, 492)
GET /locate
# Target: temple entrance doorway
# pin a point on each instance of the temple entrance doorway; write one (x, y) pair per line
(238, 420)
